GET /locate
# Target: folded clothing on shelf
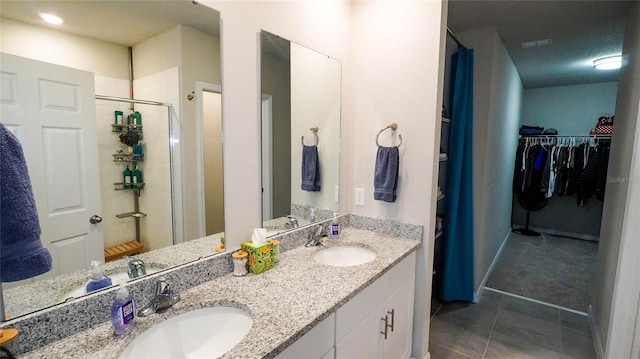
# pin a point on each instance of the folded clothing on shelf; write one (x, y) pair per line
(531, 130)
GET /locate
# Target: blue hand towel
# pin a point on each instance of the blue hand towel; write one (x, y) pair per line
(22, 255)
(385, 180)
(310, 169)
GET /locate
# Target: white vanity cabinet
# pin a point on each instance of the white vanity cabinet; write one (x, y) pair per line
(357, 327)
(316, 343)
(362, 322)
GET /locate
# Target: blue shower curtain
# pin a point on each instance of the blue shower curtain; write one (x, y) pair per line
(457, 266)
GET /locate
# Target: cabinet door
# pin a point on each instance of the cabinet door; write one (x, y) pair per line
(315, 343)
(398, 343)
(365, 341)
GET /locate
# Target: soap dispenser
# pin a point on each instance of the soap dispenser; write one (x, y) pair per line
(123, 311)
(334, 227)
(97, 280)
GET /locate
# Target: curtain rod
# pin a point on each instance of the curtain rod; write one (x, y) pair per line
(131, 100)
(454, 37)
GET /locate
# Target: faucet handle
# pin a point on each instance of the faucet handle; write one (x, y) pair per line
(162, 286)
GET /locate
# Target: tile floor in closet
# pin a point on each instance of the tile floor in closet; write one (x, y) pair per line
(507, 323)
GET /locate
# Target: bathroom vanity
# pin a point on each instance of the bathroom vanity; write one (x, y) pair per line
(299, 307)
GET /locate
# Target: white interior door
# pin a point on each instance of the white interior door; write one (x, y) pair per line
(52, 111)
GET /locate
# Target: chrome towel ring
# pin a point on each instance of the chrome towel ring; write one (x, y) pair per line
(315, 134)
(393, 126)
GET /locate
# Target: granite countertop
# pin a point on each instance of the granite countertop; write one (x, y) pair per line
(45, 293)
(284, 302)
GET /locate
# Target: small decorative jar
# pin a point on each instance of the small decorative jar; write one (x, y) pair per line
(276, 250)
(239, 263)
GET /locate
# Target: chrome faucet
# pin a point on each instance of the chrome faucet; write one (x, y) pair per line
(293, 222)
(315, 236)
(135, 266)
(163, 299)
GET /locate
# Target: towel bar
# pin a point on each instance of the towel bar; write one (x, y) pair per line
(393, 126)
(315, 133)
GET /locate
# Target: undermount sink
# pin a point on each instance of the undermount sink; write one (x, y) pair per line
(202, 333)
(344, 256)
(116, 279)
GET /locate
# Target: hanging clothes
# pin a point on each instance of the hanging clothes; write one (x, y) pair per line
(561, 169)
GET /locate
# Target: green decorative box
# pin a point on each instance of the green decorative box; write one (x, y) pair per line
(260, 257)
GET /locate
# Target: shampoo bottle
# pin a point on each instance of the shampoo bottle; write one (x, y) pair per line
(137, 118)
(127, 178)
(123, 311)
(334, 227)
(98, 280)
(137, 177)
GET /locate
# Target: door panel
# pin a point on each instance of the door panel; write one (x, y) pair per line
(52, 111)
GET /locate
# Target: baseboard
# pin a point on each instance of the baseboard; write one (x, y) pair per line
(553, 232)
(478, 293)
(427, 356)
(595, 334)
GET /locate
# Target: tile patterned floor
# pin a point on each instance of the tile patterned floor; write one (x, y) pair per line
(552, 269)
(503, 326)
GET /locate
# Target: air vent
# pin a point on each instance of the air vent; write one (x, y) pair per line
(526, 45)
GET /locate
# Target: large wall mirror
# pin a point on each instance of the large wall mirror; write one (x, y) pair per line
(79, 145)
(300, 134)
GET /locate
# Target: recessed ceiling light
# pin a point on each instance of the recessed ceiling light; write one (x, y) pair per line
(51, 19)
(608, 63)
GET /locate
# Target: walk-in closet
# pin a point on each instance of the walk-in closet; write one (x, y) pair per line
(533, 177)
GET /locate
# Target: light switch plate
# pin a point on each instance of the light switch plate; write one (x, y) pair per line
(336, 194)
(359, 196)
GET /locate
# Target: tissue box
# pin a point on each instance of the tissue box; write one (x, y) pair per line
(260, 257)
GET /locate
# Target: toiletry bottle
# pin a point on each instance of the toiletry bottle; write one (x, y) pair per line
(118, 119)
(137, 121)
(131, 119)
(136, 177)
(123, 311)
(312, 215)
(126, 178)
(97, 280)
(334, 227)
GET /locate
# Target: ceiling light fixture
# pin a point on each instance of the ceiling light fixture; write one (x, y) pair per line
(608, 63)
(51, 19)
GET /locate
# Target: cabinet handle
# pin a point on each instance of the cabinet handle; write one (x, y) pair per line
(393, 316)
(386, 325)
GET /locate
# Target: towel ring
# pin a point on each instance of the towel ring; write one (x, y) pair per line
(315, 133)
(393, 126)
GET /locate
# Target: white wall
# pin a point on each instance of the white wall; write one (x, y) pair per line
(572, 110)
(61, 48)
(496, 111)
(395, 75)
(315, 102)
(213, 166)
(616, 291)
(200, 61)
(156, 230)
